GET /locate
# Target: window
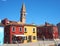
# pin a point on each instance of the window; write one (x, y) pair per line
(34, 37)
(33, 30)
(38, 30)
(25, 37)
(50, 31)
(25, 30)
(20, 29)
(13, 29)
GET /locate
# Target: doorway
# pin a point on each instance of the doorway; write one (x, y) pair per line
(17, 39)
(29, 39)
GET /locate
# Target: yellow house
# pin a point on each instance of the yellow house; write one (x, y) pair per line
(30, 33)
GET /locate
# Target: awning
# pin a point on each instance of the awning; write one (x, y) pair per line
(19, 35)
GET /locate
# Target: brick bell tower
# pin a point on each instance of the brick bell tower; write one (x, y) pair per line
(23, 14)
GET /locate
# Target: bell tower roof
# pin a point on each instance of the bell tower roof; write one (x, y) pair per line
(23, 8)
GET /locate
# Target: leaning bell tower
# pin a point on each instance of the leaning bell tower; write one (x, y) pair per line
(23, 14)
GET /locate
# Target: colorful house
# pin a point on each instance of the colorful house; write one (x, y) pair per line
(1, 34)
(14, 33)
(30, 33)
(47, 31)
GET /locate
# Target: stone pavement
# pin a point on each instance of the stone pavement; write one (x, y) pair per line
(39, 43)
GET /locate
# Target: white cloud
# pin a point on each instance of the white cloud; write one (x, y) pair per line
(3, 0)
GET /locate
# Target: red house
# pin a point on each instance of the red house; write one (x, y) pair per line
(14, 33)
(47, 31)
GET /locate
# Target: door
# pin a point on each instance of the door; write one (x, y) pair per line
(29, 38)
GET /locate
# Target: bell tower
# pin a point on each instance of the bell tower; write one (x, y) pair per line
(23, 13)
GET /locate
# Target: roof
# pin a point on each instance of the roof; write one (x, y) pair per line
(46, 24)
(14, 25)
(29, 25)
(23, 8)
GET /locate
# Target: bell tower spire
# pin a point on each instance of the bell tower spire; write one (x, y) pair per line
(23, 13)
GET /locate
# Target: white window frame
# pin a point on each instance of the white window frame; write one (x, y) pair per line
(25, 38)
(34, 37)
(25, 30)
(14, 29)
(34, 30)
(20, 29)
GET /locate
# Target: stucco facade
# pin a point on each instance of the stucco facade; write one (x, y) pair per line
(47, 31)
(1, 34)
(14, 33)
(31, 33)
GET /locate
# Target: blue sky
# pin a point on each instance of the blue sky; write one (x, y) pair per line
(38, 11)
